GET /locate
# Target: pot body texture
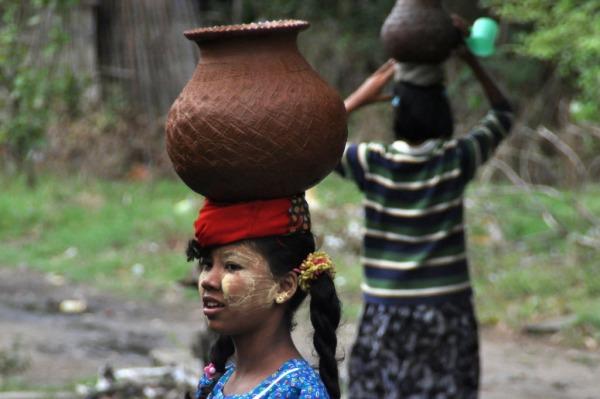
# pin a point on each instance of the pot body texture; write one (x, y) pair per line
(419, 31)
(255, 121)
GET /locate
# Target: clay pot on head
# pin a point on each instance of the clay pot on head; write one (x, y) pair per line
(255, 121)
(419, 31)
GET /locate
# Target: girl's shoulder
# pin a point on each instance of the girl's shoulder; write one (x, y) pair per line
(298, 380)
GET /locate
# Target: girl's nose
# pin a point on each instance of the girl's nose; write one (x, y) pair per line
(210, 280)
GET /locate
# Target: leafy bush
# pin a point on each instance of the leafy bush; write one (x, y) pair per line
(31, 82)
(567, 33)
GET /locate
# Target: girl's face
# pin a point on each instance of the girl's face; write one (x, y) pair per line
(237, 288)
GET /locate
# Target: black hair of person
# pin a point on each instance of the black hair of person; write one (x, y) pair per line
(283, 254)
(421, 113)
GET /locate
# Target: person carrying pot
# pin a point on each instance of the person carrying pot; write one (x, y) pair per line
(418, 334)
(257, 264)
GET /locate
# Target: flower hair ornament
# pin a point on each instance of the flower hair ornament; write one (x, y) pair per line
(312, 267)
(210, 371)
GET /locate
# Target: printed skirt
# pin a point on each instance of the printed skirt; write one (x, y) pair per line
(418, 351)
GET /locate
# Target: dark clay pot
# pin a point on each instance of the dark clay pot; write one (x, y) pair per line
(255, 121)
(419, 31)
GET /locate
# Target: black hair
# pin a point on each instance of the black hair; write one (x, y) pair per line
(421, 113)
(283, 254)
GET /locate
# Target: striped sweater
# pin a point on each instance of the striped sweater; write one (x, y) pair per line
(414, 248)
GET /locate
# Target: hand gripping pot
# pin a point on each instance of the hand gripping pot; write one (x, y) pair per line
(419, 31)
(255, 121)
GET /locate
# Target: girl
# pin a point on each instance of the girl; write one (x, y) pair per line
(257, 265)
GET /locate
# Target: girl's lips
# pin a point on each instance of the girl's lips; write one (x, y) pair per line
(208, 312)
(212, 306)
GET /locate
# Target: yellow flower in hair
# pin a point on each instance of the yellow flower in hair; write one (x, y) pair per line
(313, 266)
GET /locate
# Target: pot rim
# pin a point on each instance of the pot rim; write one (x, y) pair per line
(255, 28)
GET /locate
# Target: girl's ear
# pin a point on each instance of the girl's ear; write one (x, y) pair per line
(287, 286)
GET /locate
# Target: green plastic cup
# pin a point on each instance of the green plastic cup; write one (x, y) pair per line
(482, 41)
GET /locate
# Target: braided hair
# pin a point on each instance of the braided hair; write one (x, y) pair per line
(283, 254)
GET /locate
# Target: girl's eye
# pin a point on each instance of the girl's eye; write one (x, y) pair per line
(232, 266)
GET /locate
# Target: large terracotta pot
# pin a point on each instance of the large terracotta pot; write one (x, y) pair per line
(255, 121)
(419, 31)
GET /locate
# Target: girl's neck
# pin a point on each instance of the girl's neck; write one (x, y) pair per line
(263, 351)
(257, 356)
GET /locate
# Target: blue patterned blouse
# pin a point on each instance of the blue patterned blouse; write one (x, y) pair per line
(295, 379)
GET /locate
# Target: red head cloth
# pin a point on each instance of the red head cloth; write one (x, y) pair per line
(220, 224)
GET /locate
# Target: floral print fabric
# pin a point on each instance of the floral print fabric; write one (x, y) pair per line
(295, 379)
(419, 351)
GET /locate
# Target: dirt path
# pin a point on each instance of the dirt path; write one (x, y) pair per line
(62, 348)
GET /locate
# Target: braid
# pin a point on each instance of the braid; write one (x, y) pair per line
(220, 352)
(325, 310)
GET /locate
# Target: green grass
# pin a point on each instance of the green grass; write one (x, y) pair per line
(99, 231)
(523, 269)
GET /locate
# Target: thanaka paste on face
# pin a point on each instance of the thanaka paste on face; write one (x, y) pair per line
(256, 284)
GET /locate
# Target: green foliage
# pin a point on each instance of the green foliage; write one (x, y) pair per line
(567, 33)
(31, 83)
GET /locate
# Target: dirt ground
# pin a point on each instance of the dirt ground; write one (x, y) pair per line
(61, 348)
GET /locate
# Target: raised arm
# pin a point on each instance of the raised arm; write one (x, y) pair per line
(370, 90)
(481, 142)
(495, 97)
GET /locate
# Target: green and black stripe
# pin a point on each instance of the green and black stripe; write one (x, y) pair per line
(414, 243)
